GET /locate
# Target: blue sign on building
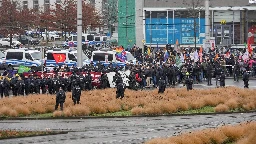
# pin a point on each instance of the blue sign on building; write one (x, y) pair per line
(177, 28)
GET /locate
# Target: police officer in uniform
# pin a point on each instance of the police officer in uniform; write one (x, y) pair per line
(7, 86)
(60, 99)
(43, 85)
(76, 93)
(246, 79)
(120, 87)
(88, 81)
(222, 79)
(188, 82)
(162, 85)
(1, 87)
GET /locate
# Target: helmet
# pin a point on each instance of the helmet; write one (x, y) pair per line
(187, 73)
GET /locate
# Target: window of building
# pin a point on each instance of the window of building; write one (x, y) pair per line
(58, 1)
(25, 4)
(36, 5)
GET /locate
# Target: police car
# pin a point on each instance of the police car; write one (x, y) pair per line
(59, 57)
(29, 58)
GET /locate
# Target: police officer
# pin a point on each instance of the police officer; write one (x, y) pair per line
(222, 79)
(76, 93)
(6, 86)
(21, 86)
(1, 87)
(246, 79)
(188, 81)
(14, 85)
(43, 85)
(27, 85)
(60, 99)
(120, 87)
(162, 85)
(88, 81)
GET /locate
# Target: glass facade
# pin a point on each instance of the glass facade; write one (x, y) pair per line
(227, 27)
(162, 27)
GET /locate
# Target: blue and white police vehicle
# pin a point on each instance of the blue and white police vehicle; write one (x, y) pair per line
(29, 58)
(70, 58)
(107, 56)
(72, 40)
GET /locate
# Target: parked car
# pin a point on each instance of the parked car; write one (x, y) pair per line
(5, 42)
(28, 40)
(51, 36)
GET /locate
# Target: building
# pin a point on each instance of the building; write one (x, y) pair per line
(158, 22)
(46, 4)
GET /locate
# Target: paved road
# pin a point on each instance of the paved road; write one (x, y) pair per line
(118, 130)
(228, 82)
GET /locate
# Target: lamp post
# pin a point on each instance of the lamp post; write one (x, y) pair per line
(79, 33)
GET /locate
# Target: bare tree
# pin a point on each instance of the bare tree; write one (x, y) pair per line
(194, 8)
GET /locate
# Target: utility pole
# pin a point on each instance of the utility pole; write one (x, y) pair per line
(79, 33)
(207, 24)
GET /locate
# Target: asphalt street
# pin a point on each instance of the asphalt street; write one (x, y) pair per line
(134, 130)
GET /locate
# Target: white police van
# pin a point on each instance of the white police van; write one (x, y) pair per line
(106, 57)
(69, 59)
(29, 58)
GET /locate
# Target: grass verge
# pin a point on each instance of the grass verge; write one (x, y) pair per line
(8, 134)
(104, 103)
(244, 133)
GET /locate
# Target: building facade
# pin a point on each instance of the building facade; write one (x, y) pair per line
(46, 4)
(161, 22)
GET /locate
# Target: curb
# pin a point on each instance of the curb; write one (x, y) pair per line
(139, 116)
(55, 133)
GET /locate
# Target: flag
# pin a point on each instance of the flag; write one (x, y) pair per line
(59, 57)
(121, 54)
(249, 46)
(148, 50)
(23, 69)
(201, 54)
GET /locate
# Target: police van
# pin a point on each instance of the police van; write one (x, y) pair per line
(107, 56)
(29, 58)
(59, 57)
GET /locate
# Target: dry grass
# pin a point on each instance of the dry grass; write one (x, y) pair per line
(241, 134)
(138, 102)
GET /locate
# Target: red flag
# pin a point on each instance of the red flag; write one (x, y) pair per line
(59, 57)
(249, 46)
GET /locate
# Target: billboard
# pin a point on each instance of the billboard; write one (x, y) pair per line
(163, 30)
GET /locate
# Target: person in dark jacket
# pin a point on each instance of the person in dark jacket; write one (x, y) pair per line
(76, 93)
(188, 82)
(246, 79)
(162, 85)
(120, 87)
(222, 79)
(60, 99)
(209, 73)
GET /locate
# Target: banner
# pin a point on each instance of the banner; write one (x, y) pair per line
(95, 76)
